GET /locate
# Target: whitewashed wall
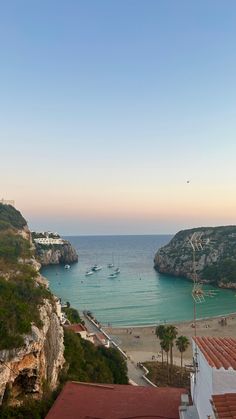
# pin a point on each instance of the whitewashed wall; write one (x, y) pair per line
(210, 381)
(202, 388)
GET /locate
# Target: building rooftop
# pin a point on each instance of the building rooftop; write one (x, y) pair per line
(225, 405)
(219, 352)
(77, 327)
(105, 401)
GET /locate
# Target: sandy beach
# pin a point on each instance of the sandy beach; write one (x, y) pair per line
(141, 343)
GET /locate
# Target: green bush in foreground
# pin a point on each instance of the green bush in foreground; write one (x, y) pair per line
(91, 364)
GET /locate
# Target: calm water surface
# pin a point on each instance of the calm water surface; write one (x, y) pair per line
(139, 295)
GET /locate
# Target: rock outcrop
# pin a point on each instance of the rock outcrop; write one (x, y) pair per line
(55, 254)
(24, 370)
(215, 255)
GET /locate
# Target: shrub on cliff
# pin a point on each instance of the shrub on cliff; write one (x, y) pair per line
(19, 299)
(13, 247)
(11, 217)
(72, 314)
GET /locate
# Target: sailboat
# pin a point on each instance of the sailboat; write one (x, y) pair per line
(96, 267)
(117, 270)
(111, 265)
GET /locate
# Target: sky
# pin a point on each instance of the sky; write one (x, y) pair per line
(109, 107)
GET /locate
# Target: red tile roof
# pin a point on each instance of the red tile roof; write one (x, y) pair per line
(78, 327)
(105, 401)
(219, 352)
(225, 405)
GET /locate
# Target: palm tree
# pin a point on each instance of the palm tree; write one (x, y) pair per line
(182, 344)
(172, 333)
(165, 346)
(160, 333)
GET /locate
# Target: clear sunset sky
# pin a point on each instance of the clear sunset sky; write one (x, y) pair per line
(109, 107)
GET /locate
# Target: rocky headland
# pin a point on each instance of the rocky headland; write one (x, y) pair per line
(215, 255)
(51, 249)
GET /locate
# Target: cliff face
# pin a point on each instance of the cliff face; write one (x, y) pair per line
(215, 255)
(55, 254)
(31, 335)
(24, 370)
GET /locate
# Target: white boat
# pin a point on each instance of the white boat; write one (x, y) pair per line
(117, 271)
(113, 275)
(96, 268)
(89, 272)
(67, 266)
(111, 265)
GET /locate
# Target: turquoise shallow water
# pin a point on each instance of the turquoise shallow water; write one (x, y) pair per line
(139, 295)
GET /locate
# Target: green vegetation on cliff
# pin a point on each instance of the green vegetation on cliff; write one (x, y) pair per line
(18, 301)
(12, 247)
(10, 218)
(86, 362)
(72, 314)
(215, 255)
(224, 272)
(20, 295)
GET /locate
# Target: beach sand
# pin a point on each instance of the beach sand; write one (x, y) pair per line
(141, 343)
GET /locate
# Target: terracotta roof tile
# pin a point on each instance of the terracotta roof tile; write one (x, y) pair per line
(225, 405)
(76, 327)
(115, 401)
(219, 352)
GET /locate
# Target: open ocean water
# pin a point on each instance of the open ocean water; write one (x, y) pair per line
(139, 295)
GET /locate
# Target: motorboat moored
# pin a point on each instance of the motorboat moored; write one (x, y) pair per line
(89, 272)
(96, 268)
(113, 275)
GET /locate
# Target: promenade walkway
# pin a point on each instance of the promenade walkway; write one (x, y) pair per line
(135, 373)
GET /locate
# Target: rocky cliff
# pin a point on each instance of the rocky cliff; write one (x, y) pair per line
(31, 335)
(24, 370)
(56, 253)
(215, 255)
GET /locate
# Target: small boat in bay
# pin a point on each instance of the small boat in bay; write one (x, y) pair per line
(89, 272)
(67, 266)
(96, 268)
(111, 265)
(117, 271)
(112, 275)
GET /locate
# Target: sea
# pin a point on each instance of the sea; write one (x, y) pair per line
(139, 295)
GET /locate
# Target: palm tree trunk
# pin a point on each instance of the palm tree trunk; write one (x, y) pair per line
(167, 358)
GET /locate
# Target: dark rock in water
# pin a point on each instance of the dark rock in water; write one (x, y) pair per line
(215, 256)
